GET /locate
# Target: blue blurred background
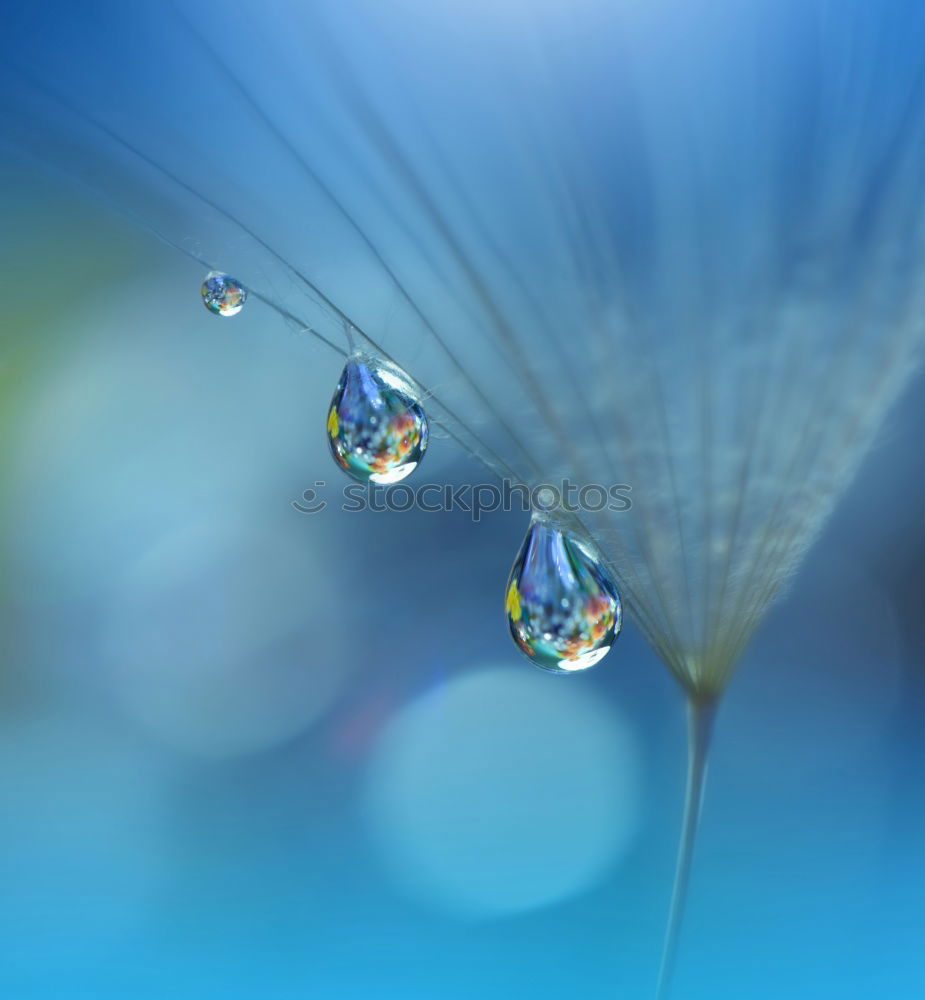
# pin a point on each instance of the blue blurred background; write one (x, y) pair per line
(250, 752)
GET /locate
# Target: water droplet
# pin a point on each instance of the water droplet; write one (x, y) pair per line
(222, 294)
(376, 429)
(562, 608)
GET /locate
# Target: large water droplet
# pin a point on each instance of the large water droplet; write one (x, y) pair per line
(222, 294)
(376, 429)
(562, 608)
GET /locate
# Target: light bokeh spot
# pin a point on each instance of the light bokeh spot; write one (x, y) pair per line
(503, 791)
(207, 641)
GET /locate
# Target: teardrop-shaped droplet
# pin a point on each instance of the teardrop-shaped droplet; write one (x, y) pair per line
(562, 608)
(376, 429)
(222, 294)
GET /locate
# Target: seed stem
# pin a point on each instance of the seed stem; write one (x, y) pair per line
(700, 718)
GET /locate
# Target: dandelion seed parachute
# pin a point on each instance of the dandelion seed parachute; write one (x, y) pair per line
(713, 300)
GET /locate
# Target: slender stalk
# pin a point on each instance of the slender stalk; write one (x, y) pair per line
(700, 716)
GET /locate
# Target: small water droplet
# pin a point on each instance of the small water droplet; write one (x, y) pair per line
(376, 429)
(562, 607)
(222, 294)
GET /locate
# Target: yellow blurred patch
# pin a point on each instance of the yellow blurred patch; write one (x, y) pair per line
(512, 605)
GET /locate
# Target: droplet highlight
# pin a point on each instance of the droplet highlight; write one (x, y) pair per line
(562, 608)
(222, 294)
(376, 429)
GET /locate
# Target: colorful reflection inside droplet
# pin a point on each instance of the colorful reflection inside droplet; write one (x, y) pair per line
(376, 430)
(562, 608)
(222, 294)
